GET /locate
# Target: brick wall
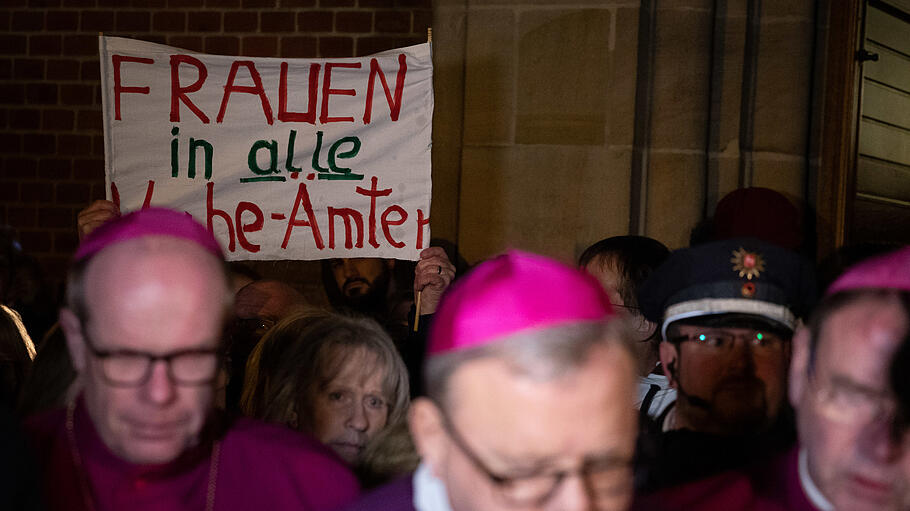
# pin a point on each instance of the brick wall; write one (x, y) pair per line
(51, 148)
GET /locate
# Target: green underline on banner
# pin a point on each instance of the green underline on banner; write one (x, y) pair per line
(336, 177)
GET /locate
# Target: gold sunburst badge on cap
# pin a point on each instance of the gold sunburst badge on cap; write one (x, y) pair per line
(748, 264)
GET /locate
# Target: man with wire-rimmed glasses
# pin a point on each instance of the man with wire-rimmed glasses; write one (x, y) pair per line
(147, 300)
(529, 386)
(725, 312)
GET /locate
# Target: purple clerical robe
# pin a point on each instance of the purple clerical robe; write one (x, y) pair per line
(395, 496)
(260, 466)
(770, 486)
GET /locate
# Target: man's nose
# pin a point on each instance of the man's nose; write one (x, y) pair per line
(350, 269)
(879, 441)
(573, 494)
(741, 355)
(160, 388)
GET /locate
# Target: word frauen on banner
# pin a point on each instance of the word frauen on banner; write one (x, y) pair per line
(280, 158)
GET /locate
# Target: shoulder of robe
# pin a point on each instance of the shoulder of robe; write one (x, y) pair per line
(273, 439)
(274, 451)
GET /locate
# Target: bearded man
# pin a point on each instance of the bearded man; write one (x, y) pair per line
(726, 313)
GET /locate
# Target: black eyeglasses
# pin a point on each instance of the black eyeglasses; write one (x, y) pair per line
(605, 477)
(843, 400)
(721, 342)
(132, 368)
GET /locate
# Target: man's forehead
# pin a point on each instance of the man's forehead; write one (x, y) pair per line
(578, 414)
(359, 261)
(730, 321)
(860, 338)
(150, 250)
(733, 329)
(604, 268)
(371, 263)
(266, 298)
(166, 276)
(483, 381)
(604, 262)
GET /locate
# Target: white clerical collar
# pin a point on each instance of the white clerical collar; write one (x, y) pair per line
(429, 492)
(805, 480)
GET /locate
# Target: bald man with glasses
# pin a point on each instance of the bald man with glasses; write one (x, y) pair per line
(530, 385)
(147, 300)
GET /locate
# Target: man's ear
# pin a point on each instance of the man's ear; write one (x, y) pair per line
(75, 340)
(428, 432)
(668, 361)
(799, 364)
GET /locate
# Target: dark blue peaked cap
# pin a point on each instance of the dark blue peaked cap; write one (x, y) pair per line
(741, 276)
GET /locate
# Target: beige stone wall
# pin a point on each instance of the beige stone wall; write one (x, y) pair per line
(533, 133)
(679, 117)
(784, 94)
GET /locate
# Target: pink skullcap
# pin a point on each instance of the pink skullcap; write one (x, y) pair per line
(888, 271)
(513, 293)
(148, 222)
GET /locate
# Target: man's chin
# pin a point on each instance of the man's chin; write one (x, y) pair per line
(746, 394)
(740, 413)
(153, 445)
(862, 493)
(364, 303)
(354, 293)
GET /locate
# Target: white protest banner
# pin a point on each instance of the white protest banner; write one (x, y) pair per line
(281, 158)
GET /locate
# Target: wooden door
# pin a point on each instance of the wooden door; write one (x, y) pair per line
(881, 204)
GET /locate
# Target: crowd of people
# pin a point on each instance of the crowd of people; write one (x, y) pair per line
(721, 376)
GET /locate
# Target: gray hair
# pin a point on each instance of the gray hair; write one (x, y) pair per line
(541, 355)
(299, 356)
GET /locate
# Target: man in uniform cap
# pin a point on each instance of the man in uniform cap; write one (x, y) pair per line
(726, 311)
(146, 302)
(529, 400)
(853, 451)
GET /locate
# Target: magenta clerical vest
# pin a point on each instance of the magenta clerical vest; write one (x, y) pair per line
(260, 466)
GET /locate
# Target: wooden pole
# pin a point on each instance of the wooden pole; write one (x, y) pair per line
(417, 304)
(417, 311)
